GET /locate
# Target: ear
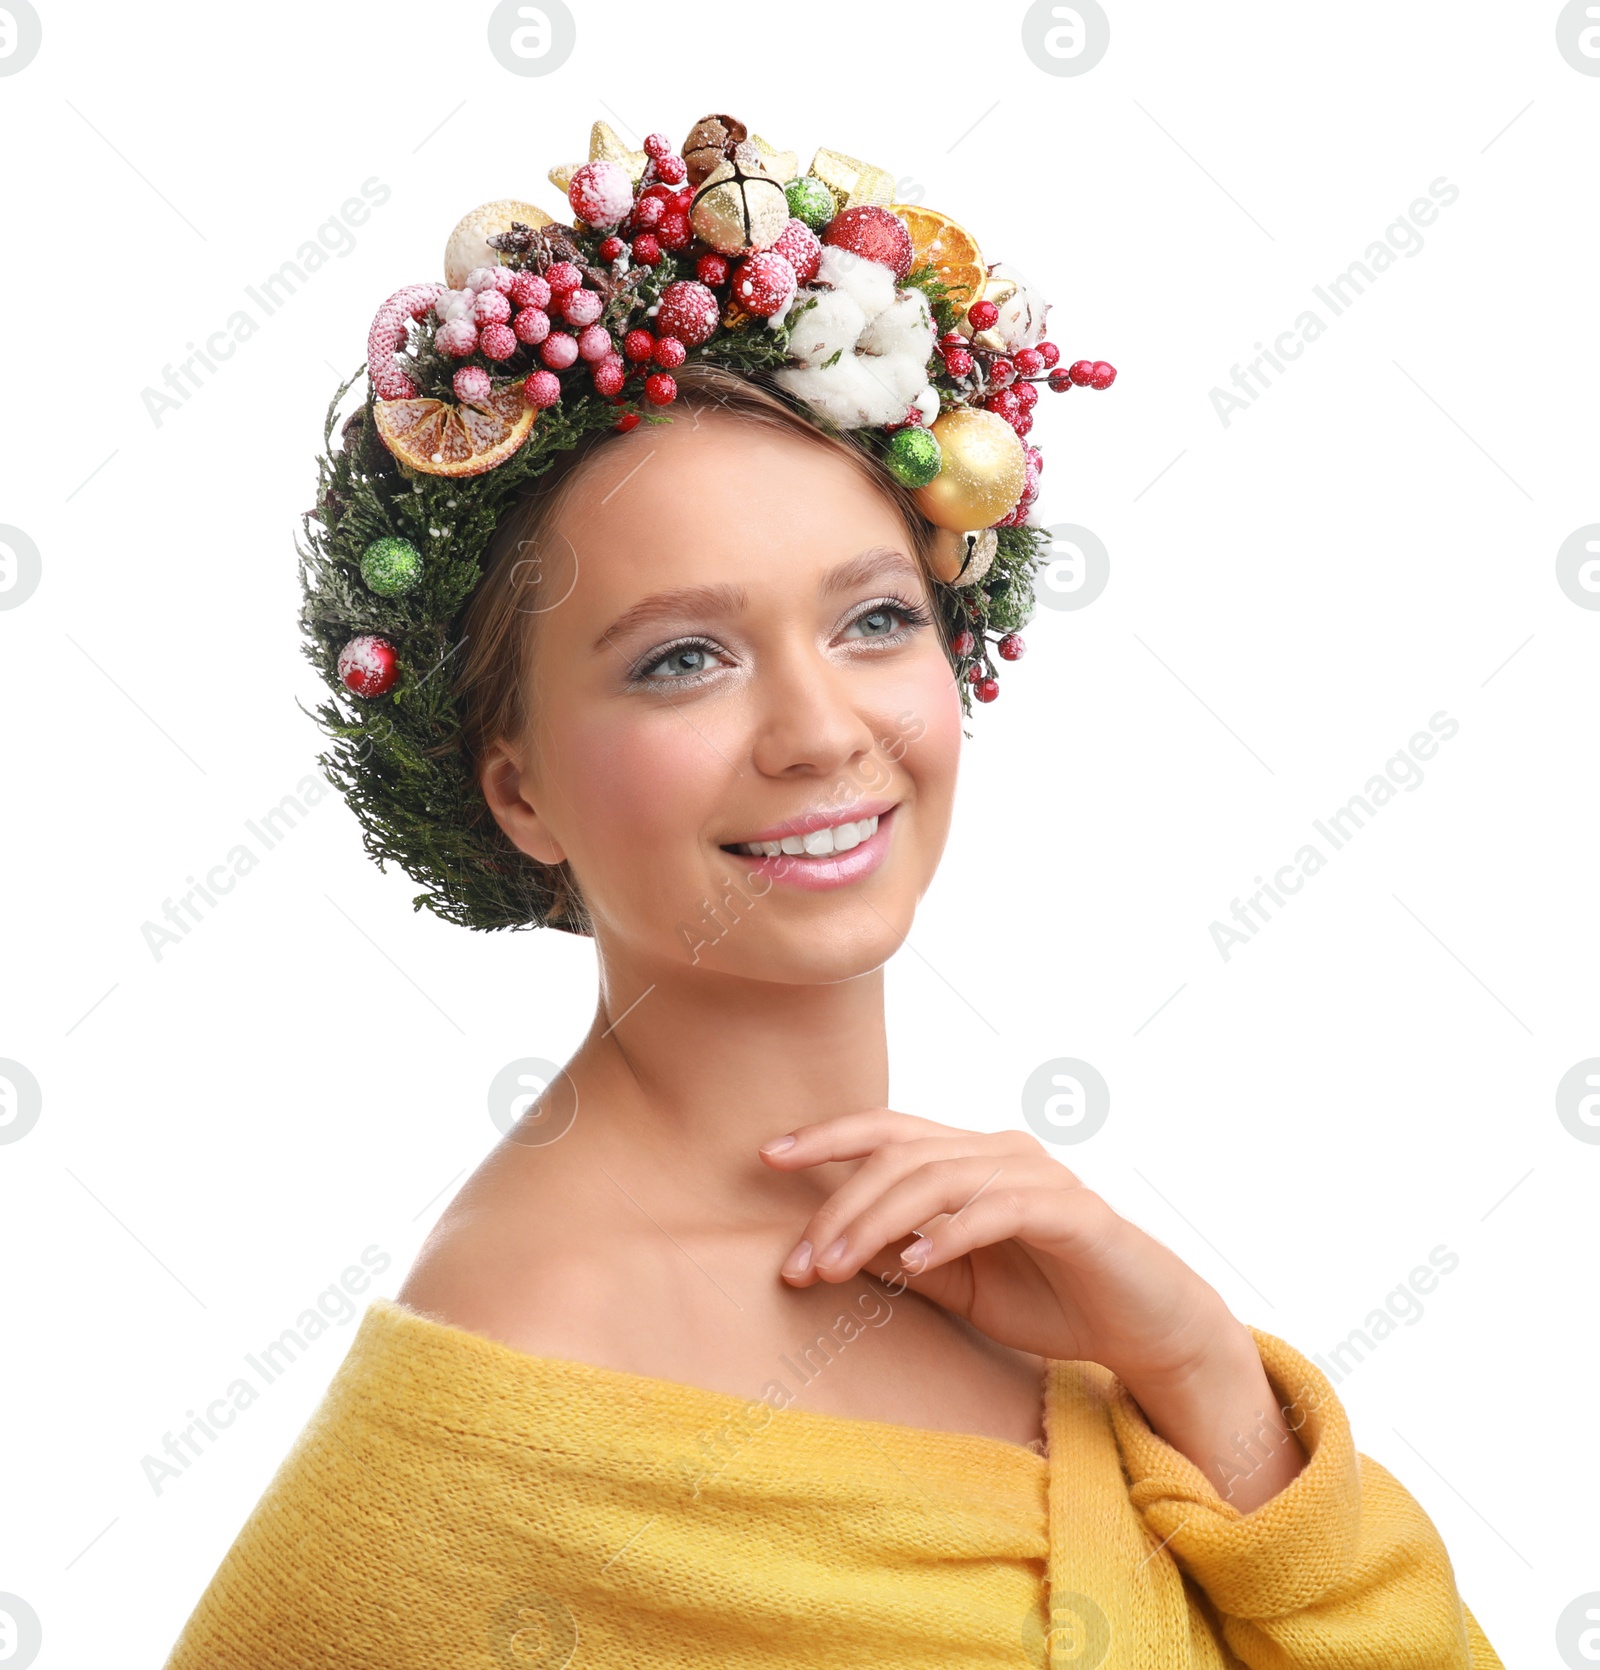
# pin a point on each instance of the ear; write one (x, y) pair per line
(501, 780)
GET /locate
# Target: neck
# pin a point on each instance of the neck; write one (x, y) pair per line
(681, 1079)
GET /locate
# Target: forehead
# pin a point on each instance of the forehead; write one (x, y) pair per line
(712, 496)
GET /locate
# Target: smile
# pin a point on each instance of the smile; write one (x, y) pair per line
(819, 843)
(822, 858)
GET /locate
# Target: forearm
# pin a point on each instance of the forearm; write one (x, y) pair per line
(1223, 1415)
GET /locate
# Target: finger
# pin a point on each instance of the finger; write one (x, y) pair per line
(954, 1186)
(848, 1136)
(886, 1166)
(1028, 1213)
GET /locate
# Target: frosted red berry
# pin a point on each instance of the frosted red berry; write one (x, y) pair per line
(1102, 375)
(712, 270)
(611, 247)
(669, 352)
(1049, 352)
(958, 362)
(559, 350)
(638, 345)
(542, 390)
(986, 689)
(530, 290)
(497, 342)
(983, 315)
(647, 249)
(1080, 371)
(608, 376)
(1029, 362)
(562, 276)
(660, 389)
(532, 325)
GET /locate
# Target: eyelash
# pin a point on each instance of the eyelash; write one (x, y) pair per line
(916, 616)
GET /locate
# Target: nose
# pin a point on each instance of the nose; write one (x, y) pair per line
(809, 715)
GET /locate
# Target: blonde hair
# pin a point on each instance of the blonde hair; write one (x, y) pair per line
(492, 680)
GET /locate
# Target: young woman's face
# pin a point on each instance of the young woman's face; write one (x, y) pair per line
(727, 649)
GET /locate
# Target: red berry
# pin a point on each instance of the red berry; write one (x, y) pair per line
(974, 673)
(1102, 376)
(594, 343)
(963, 644)
(657, 146)
(801, 248)
(1002, 373)
(628, 420)
(952, 339)
(660, 389)
(532, 325)
(581, 307)
(1080, 371)
(674, 231)
(559, 350)
(671, 170)
(958, 362)
(1060, 380)
(986, 689)
(647, 249)
(688, 311)
(1049, 352)
(471, 382)
(1027, 393)
(681, 201)
(608, 376)
(1004, 403)
(712, 270)
(1034, 456)
(1030, 362)
(497, 342)
(491, 308)
(542, 389)
(562, 276)
(764, 283)
(611, 248)
(638, 345)
(670, 352)
(648, 211)
(530, 290)
(1022, 422)
(982, 315)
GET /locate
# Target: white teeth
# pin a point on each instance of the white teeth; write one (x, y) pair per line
(819, 843)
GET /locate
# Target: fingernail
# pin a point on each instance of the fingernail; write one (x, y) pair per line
(777, 1145)
(917, 1251)
(799, 1261)
(834, 1252)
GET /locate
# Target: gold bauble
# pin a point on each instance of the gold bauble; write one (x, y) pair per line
(981, 471)
(468, 245)
(962, 559)
(739, 206)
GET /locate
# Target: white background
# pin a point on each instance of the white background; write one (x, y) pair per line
(1291, 596)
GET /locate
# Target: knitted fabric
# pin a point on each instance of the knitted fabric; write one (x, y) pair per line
(454, 1502)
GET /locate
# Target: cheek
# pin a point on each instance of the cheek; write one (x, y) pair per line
(927, 726)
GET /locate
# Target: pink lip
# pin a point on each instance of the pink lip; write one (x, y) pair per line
(825, 818)
(836, 870)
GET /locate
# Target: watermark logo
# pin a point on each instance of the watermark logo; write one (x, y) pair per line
(1078, 1633)
(1578, 1627)
(532, 40)
(1065, 40)
(20, 1102)
(20, 1631)
(1075, 570)
(20, 566)
(1065, 1100)
(20, 34)
(1577, 562)
(533, 1629)
(522, 1105)
(1577, 1099)
(1578, 41)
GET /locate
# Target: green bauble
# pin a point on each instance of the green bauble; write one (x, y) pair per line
(391, 566)
(810, 201)
(914, 456)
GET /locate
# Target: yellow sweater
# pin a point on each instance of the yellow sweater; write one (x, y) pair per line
(454, 1504)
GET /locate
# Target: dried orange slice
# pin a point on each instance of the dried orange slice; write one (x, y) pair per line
(950, 247)
(438, 437)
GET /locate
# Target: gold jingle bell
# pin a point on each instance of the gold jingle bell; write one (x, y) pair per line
(739, 205)
(982, 470)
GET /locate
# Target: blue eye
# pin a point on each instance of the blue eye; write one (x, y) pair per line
(693, 653)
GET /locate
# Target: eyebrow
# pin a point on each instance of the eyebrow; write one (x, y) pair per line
(725, 598)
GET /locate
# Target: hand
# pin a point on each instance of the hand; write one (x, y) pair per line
(1011, 1240)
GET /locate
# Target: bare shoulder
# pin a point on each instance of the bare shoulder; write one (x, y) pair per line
(518, 1259)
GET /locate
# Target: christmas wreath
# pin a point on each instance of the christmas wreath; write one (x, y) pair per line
(878, 319)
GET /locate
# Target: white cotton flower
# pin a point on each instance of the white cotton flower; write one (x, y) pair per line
(904, 327)
(832, 326)
(1022, 314)
(869, 282)
(856, 391)
(928, 403)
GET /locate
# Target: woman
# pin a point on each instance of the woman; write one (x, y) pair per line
(718, 1359)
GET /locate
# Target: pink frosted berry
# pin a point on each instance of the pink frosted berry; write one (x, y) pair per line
(671, 170)
(600, 192)
(490, 278)
(594, 343)
(542, 390)
(581, 307)
(657, 146)
(497, 342)
(608, 376)
(529, 290)
(491, 308)
(562, 276)
(532, 325)
(801, 248)
(559, 350)
(471, 382)
(647, 212)
(457, 339)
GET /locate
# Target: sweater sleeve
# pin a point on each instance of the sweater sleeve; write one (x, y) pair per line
(1341, 1570)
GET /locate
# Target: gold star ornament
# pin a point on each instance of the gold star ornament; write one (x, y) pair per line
(604, 146)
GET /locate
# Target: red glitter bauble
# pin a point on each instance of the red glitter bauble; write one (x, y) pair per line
(873, 233)
(601, 192)
(982, 315)
(542, 390)
(638, 345)
(1102, 376)
(669, 352)
(801, 248)
(688, 311)
(660, 389)
(712, 270)
(764, 283)
(986, 689)
(368, 665)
